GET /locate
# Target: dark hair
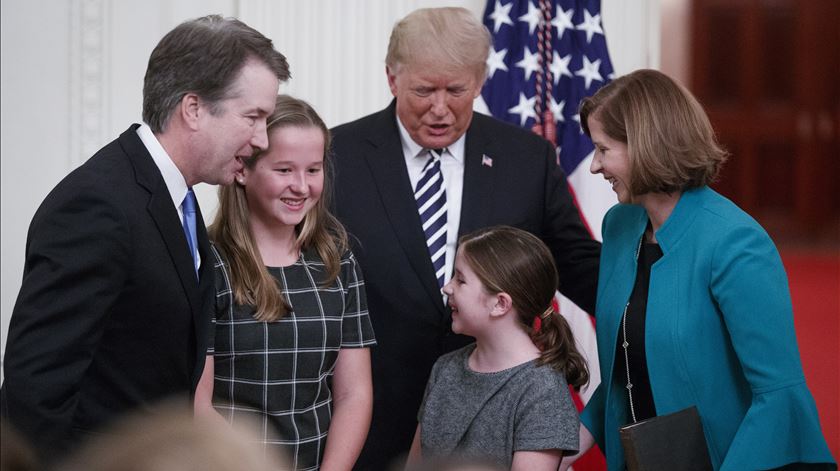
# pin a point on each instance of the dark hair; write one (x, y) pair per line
(670, 141)
(203, 56)
(251, 282)
(516, 262)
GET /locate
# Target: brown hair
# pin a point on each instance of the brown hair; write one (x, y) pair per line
(203, 56)
(251, 282)
(670, 141)
(450, 36)
(513, 261)
(168, 437)
(16, 452)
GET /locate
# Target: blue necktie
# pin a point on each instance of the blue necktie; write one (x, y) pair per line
(188, 207)
(431, 204)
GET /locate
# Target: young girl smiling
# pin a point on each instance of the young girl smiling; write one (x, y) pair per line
(504, 398)
(292, 328)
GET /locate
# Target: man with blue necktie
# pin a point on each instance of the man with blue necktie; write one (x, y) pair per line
(114, 311)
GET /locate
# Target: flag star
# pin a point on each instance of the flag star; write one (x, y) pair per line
(525, 108)
(501, 15)
(576, 118)
(560, 66)
(563, 21)
(533, 17)
(529, 62)
(591, 24)
(589, 71)
(496, 61)
(557, 109)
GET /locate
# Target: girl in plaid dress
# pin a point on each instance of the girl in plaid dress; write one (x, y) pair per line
(290, 352)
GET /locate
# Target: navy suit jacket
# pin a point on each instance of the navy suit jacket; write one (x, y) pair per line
(110, 316)
(523, 188)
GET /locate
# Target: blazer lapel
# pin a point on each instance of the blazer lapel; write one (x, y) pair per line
(478, 180)
(203, 316)
(165, 216)
(387, 165)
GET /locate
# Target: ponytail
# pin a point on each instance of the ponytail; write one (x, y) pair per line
(555, 339)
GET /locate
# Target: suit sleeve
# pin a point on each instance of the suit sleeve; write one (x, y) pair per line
(575, 252)
(77, 249)
(749, 284)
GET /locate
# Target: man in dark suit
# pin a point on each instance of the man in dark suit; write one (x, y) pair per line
(115, 307)
(492, 173)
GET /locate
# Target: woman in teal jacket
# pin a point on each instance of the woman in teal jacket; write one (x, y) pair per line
(693, 305)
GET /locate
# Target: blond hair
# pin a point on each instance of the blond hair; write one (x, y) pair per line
(251, 282)
(670, 141)
(450, 37)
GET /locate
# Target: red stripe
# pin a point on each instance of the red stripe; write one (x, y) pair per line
(582, 217)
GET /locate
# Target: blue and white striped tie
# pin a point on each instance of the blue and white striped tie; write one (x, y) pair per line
(431, 204)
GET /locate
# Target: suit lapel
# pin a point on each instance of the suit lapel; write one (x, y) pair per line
(203, 316)
(478, 179)
(387, 165)
(164, 214)
(165, 217)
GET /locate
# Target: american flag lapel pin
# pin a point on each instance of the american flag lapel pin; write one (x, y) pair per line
(486, 161)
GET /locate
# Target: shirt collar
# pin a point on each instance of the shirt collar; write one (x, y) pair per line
(413, 149)
(175, 182)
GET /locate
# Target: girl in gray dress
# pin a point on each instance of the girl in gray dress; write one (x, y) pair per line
(504, 398)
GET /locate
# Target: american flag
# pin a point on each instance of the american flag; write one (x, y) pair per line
(546, 56)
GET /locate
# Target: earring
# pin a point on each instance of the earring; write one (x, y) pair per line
(240, 180)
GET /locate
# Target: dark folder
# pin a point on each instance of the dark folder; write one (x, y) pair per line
(674, 442)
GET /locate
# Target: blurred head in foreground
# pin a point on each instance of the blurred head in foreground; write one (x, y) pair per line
(173, 440)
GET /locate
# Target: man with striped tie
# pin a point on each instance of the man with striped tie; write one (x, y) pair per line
(413, 177)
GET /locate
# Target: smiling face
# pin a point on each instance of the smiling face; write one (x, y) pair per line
(236, 126)
(469, 300)
(287, 180)
(434, 103)
(611, 160)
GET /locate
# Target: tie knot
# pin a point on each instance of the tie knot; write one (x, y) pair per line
(188, 205)
(434, 156)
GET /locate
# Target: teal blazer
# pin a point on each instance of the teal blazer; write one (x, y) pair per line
(719, 334)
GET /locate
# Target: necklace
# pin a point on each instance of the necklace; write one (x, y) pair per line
(626, 345)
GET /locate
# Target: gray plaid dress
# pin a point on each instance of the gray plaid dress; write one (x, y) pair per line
(279, 373)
